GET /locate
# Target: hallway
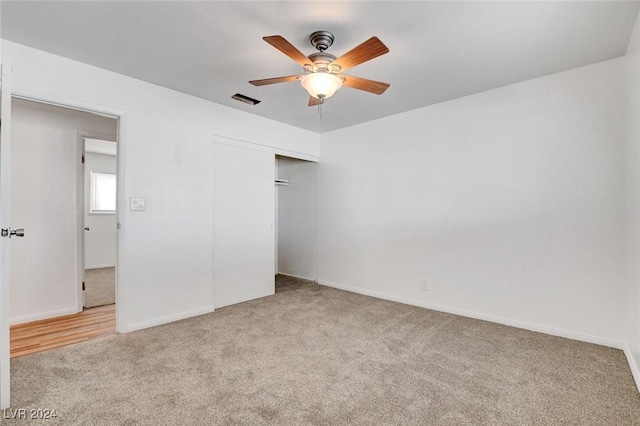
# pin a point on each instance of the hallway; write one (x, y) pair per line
(39, 336)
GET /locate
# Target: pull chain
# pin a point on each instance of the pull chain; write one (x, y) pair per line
(321, 99)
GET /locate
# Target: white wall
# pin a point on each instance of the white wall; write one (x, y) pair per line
(45, 179)
(297, 218)
(508, 202)
(165, 252)
(632, 155)
(100, 241)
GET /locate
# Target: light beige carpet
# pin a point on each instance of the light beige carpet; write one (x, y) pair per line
(100, 287)
(316, 355)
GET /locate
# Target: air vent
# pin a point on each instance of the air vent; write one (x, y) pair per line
(245, 99)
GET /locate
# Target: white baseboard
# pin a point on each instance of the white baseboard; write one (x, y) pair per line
(44, 315)
(633, 365)
(165, 320)
(296, 276)
(245, 299)
(106, 265)
(482, 316)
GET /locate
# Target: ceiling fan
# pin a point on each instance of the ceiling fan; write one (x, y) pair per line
(322, 77)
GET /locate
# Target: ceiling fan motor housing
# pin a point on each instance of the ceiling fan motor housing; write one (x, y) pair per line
(321, 61)
(321, 40)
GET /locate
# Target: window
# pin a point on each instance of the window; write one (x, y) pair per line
(103, 193)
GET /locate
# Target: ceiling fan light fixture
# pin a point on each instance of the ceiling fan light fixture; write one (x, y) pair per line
(322, 71)
(321, 85)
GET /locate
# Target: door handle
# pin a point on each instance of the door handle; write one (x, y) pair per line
(12, 232)
(86, 228)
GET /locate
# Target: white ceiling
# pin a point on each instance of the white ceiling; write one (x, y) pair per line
(438, 50)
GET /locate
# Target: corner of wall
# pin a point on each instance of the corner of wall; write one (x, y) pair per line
(634, 40)
(633, 365)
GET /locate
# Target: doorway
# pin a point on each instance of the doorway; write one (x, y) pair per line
(100, 224)
(48, 198)
(296, 218)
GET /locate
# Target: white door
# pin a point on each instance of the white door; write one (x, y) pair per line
(5, 155)
(243, 224)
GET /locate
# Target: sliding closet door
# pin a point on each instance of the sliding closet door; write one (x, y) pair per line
(243, 224)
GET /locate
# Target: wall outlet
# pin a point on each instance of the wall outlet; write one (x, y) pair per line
(425, 285)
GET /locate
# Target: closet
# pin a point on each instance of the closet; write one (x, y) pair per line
(296, 217)
(260, 228)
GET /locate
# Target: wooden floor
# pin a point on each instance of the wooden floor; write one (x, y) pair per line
(39, 336)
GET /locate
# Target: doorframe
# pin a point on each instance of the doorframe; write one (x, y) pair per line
(121, 120)
(275, 217)
(5, 288)
(81, 135)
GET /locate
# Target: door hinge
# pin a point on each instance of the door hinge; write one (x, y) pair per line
(82, 158)
(83, 286)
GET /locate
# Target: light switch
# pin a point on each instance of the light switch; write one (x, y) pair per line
(137, 204)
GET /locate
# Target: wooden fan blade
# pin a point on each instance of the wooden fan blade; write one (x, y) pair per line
(366, 51)
(274, 80)
(370, 86)
(288, 49)
(313, 101)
